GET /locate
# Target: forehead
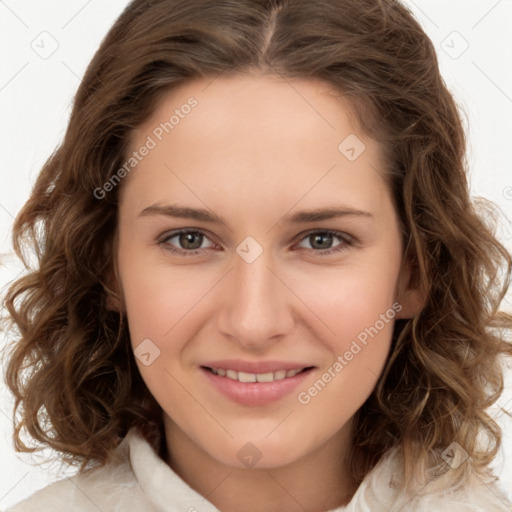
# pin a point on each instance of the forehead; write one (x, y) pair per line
(243, 134)
(252, 102)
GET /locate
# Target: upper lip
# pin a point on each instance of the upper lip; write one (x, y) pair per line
(240, 365)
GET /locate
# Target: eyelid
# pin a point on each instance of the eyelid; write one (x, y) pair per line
(340, 234)
(347, 240)
(175, 232)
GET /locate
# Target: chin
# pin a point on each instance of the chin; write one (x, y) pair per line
(261, 453)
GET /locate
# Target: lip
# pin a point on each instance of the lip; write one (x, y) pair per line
(255, 393)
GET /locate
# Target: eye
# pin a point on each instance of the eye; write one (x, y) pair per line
(190, 241)
(322, 241)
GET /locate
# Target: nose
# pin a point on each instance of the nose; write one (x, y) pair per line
(256, 307)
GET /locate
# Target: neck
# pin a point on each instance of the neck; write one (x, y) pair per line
(319, 481)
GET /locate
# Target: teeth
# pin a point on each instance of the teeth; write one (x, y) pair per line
(280, 374)
(256, 377)
(265, 377)
(246, 377)
(231, 374)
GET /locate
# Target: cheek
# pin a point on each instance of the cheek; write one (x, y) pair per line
(359, 312)
(158, 298)
(357, 307)
(350, 299)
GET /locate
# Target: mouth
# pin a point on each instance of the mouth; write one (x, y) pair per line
(247, 377)
(255, 384)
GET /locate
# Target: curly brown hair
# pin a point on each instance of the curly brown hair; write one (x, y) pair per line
(71, 369)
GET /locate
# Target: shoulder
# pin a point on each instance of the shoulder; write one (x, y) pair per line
(110, 487)
(474, 497)
(382, 490)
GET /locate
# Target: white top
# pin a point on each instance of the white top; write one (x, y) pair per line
(137, 479)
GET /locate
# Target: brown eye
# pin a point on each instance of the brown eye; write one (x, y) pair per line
(322, 241)
(188, 242)
(191, 240)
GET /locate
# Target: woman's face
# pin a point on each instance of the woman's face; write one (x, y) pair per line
(290, 261)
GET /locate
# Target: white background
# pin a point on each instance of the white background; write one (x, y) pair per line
(36, 93)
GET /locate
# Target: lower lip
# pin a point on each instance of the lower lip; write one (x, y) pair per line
(255, 393)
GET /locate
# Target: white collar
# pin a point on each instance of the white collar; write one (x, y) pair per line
(168, 491)
(380, 489)
(161, 485)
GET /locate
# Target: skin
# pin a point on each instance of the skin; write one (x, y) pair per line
(254, 150)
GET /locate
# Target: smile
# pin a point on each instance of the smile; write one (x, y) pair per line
(251, 383)
(256, 377)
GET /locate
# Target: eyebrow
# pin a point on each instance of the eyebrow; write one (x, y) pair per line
(302, 217)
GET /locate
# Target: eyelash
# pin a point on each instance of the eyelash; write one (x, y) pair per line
(346, 241)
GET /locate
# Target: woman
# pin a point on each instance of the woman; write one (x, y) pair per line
(257, 369)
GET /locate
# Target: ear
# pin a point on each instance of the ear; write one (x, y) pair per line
(410, 293)
(112, 289)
